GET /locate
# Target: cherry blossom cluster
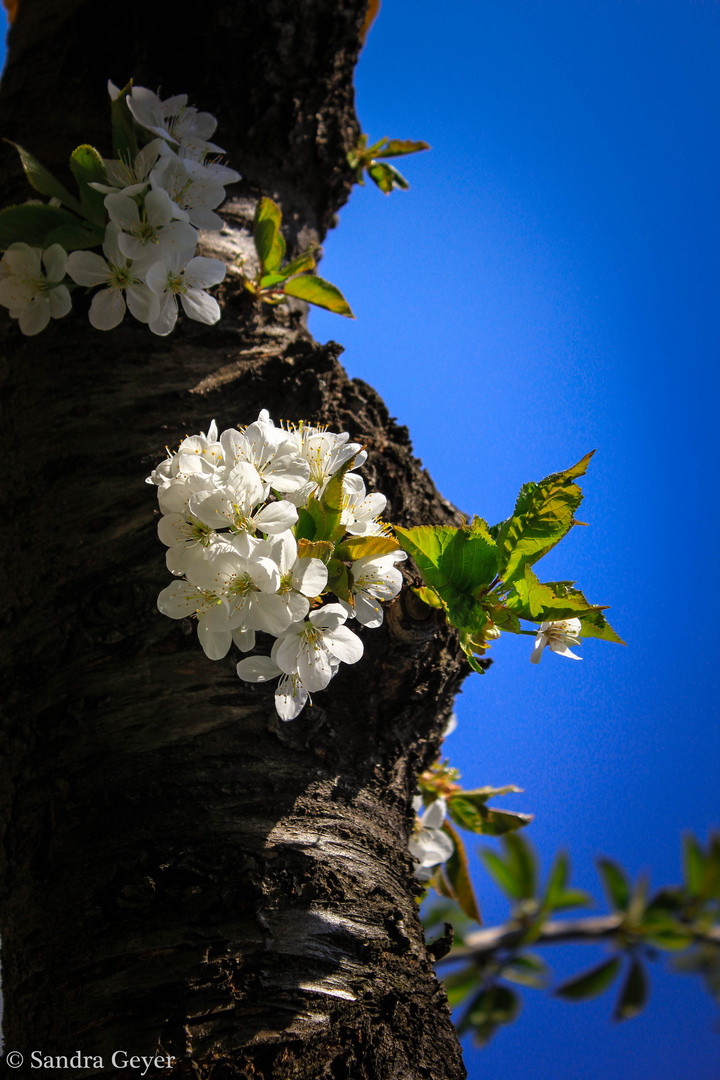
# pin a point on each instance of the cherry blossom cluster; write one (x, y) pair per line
(236, 510)
(155, 202)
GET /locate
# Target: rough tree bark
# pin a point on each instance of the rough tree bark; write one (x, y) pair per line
(181, 872)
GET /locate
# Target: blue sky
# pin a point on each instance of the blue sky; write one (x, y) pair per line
(549, 286)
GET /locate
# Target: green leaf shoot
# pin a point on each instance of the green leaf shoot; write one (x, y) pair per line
(318, 291)
(43, 181)
(592, 983)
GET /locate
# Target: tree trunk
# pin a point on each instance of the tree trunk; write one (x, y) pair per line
(182, 873)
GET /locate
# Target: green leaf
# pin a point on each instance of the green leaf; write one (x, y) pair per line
(315, 290)
(429, 597)
(499, 822)
(123, 128)
(361, 547)
(595, 625)
(493, 1006)
(544, 513)
(460, 985)
(457, 563)
(339, 581)
(31, 223)
(502, 873)
(269, 243)
(592, 983)
(633, 996)
(319, 549)
(615, 882)
(520, 856)
(530, 599)
(75, 237)
(88, 168)
(301, 264)
(527, 970)
(458, 876)
(386, 177)
(693, 865)
(305, 526)
(400, 147)
(43, 180)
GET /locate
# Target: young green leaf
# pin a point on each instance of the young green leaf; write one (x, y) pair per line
(530, 599)
(615, 882)
(319, 549)
(544, 513)
(504, 874)
(400, 147)
(43, 180)
(88, 167)
(633, 996)
(595, 625)
(315, 290)
(592, 983)
(361, 547)
(527, 969)
(458, 876)
(123, 128)
(429, 597)
(460, 984)
(339, 581)
(31, 223)
(300, 265)
(456, 563)
(693, 865)
(499, 822)
(77, 237)
(269, 243)
(520, 856)
(386, 177)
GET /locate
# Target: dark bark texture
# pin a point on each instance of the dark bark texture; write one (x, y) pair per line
(183, 873)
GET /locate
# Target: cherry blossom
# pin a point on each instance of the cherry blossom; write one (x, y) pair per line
(559, 636)
(31, 285)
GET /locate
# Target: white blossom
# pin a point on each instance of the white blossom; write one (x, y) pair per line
(130, 177)
(174, 277)
(374, 579)
(148, 233)
(172, 119)
(312, 649)
(194, 195)
(559, 636)
(430, 844)
(121, 281)
(31, 285)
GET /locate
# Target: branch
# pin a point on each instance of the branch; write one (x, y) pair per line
(484, 943)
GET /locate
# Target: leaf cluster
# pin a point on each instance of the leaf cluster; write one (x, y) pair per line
(683, 920)
(482, 576)
(373, 161)
(319, 532)
(76, 222)
(275, 280)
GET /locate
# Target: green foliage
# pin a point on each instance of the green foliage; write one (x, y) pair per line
(591, 983)
(373, 161)
(682, 919)
(33, 224)
(125, 144)
(43, 181)
(88, 167)
(483, 578)
(274, 282)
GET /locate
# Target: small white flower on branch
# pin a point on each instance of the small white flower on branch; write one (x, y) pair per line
(430, 844)
(559, 636)
(31, 285)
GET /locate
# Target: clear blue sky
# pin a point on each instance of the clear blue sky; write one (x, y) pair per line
(548, 286)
